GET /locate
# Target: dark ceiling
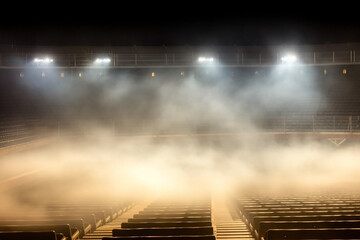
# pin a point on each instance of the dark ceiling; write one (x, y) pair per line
(180, 23)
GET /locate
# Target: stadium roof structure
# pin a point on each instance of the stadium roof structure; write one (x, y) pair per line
(19, 56)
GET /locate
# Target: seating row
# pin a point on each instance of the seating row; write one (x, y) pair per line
(60, 221)
(165, 221)
(322, 217)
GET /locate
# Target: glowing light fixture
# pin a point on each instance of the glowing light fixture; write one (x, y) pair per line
(43, 60)
(205, 59)
(153, 74)
(102, 61)
(288, 59)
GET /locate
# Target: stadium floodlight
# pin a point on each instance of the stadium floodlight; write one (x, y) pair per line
(288, 59)
(205, 59)
(43, 60)
(102, 61)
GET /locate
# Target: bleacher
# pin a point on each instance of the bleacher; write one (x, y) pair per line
(68, 221)
(189, 220)
(168, 220)
(24, 115)
(302, 217)
(14, 131)
(288, 217)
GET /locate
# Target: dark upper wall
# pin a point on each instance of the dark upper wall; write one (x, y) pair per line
(135, 92)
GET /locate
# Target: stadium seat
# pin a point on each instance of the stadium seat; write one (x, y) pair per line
(71, 234)
(50, 235)
(168, 231)
(324, 233)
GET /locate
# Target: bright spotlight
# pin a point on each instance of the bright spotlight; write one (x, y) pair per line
(102, 61)
(43, 60)
(289, 58)
(205, 59)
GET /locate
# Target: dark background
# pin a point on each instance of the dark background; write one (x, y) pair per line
(179, 23)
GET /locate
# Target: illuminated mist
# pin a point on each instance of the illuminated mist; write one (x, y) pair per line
(103, 149)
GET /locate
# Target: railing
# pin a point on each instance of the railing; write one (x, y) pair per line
(14, 133)
(181, 56)
(283, 124)
(315, 123)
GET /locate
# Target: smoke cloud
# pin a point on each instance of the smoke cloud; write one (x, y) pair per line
(143, 137)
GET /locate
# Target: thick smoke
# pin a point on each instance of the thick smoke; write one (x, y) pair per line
(110, 170)
(209, 99)
(136, 137)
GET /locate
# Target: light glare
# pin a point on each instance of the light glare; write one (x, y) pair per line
(289, 58)
(205, 59)
(43, 60)
(102, 60)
